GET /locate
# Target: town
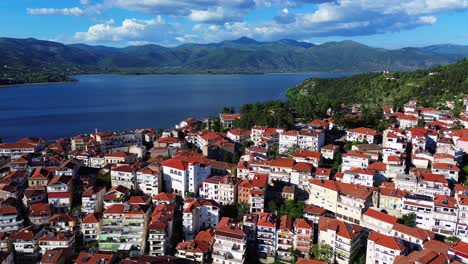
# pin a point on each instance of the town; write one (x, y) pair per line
(207, 191)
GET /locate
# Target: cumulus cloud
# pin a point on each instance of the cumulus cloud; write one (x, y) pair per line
(130, 32)
(73, 11)
(217, 20)
(284, 17)
(215, 15)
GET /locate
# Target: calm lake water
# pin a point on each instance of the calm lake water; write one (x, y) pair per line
(115, 102)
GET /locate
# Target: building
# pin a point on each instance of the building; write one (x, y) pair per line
(91, 227)
(116, 195)
(303, 236)
(95, 257)
(266, 235)
(383, 249)
(301, 174)
(18, 149)
(228, 119)
(344, 238)
(61, 223)
(198, 214)
(450, 171)
(362, 134)
(238, 135)
(424, 183)
(120, 157)
(378, 221)
(359, 176)
(185, 174)
(354, 159)
(124, 227)
(284, 238)
(58, 240)
(329, 151)
(124, 175)
(230, 242)
(422, 206)
(312, 157)
(445, 215)
(26, 243)
(59, 193)
(92, 199)
(39, 213)
(259, 185)
(149, 180)
(161, 229)
(304, 139)
(56, 256)
(10, 219)
(223, 190)
(193, 250)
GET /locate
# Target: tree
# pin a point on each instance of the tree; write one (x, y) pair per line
(337, 163)
(292, 150)
(408, 219)
(322, 252)
(452, 239)
(189, 195)
(242, 209)
(228, 110)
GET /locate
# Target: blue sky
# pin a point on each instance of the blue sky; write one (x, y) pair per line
(380, 23)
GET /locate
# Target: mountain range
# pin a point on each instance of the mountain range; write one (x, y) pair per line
(240, 55)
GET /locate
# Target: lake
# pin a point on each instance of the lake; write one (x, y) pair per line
(122, 102)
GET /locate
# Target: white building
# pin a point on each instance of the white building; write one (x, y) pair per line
(344, 238)
(354, 159)
(92, 199)
(54, 240)
(185, 174)
(230, 243)
(383, 249)
(361, 134)
(422, 206)
(149, 180)
(445, 215)
(359, 176)
(91, 227)
(124, 175)
(266, 235)
(26, 243)
(199, 214)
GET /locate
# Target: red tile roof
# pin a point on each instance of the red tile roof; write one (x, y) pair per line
(445, 166)
(303, 167)
(343, 229)
(363, 130)
(381, 216)
(92, 218)
(386, 241)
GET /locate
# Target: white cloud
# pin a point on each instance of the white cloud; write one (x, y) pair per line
(73, 11)
(214, 15)
(217, 20)
(131, 32)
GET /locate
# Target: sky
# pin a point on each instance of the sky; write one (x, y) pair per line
(379, 23)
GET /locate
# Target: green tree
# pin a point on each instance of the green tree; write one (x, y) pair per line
(242, 209)
(228, 110)
(408, 219)
(336, 163)
(190, 195)
(322, 252)
(452, 239)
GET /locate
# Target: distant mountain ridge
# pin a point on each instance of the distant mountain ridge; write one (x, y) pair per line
(240, 55)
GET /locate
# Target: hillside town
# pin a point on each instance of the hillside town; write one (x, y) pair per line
(207, 191)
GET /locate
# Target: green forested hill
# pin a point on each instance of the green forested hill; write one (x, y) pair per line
(430, 86)
(21, 58)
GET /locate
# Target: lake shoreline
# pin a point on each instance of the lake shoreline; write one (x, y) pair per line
(169, 74)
